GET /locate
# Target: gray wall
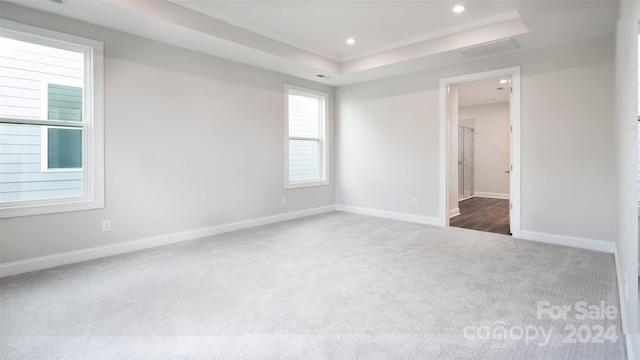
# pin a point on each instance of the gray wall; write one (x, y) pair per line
(568, 159)
(190, 141)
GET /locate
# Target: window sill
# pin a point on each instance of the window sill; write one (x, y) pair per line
(51, 208)
(305, 184)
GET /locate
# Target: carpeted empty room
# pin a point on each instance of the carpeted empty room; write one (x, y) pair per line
(285, 179)
(330, 286)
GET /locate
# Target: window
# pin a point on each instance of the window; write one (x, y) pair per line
(51, 125)
(305, 146)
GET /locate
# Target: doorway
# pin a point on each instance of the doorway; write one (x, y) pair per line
(482, 154)
(453, 172)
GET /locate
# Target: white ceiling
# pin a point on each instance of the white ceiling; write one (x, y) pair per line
(322, 27)
(305, 38)
(483, 92)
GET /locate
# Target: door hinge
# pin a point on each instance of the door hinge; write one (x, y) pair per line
(512, 89)
(511, 206)
(511, 167)
(511, 128)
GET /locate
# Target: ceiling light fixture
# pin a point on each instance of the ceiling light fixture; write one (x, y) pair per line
(458, 9)
(351, 41)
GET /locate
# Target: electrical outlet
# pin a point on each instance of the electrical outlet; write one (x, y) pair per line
(414, 201)
(283, 201)
(106, 225)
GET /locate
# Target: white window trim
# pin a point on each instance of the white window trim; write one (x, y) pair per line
(93, 125)
(323, 168)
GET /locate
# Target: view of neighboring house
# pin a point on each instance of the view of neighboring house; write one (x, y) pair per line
(40, 82)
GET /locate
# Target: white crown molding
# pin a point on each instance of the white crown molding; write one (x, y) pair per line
(205, 9)
(510, 15)
(200, 7)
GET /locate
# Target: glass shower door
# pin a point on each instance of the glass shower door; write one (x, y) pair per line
(465, 162)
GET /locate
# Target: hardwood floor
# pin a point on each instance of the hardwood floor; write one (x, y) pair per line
(484, 214)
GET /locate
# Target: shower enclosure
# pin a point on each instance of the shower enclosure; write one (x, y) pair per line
(465, 162)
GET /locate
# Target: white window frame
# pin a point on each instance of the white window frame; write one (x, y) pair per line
(92, 125)
(323, 126)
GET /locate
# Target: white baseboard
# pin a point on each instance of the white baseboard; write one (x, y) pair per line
(390, 215)
(45, 262)
(581, 243)
(490, 195)
(454, 212)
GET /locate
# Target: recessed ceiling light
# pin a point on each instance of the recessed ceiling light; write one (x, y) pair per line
(504, 81)
(458, 8)
(351, 41)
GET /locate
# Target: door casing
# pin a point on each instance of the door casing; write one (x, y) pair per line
(515, 191)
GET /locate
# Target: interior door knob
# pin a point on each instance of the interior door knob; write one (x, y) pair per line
(507, 172)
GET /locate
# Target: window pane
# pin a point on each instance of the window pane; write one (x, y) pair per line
(65, 102)
(304, 115)
(303, 160)
(21, 175)
(64, 148)
(26, 69)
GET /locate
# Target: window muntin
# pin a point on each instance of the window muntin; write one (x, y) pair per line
(306, 138)
(51, 145)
